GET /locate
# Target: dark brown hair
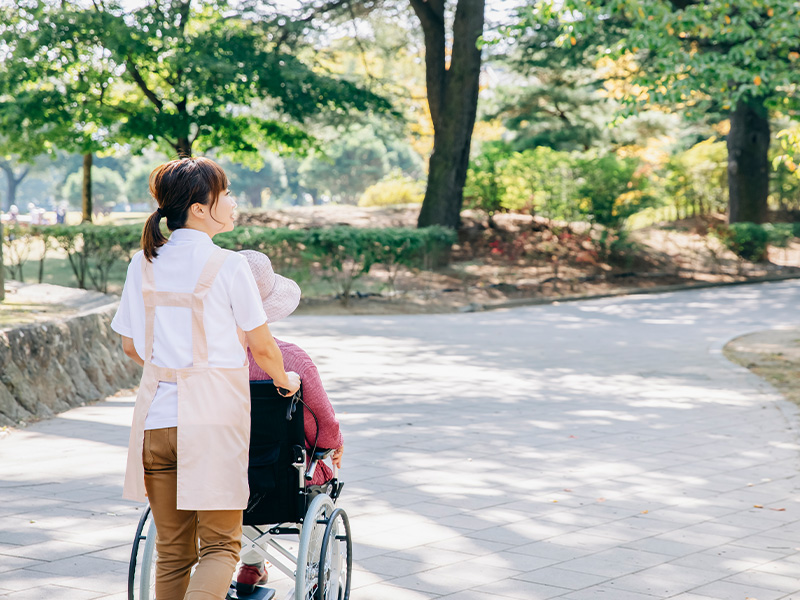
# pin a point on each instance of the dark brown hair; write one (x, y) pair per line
(177, 185)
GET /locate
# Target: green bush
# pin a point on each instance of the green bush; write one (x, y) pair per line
(611, 191)
(747, 240)
(343, 254)
(779, 234)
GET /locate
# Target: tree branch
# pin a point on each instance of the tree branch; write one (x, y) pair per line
(137, 77)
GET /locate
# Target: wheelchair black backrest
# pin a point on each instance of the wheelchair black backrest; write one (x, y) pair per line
(277, 440)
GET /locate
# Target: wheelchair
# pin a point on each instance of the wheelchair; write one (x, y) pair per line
(290, 523)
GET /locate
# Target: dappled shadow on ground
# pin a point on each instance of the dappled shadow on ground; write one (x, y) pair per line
(606, 436)
(492, 451)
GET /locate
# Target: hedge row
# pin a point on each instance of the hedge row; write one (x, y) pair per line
(341, 254)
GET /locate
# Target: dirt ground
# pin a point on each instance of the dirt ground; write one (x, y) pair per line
(773, 355)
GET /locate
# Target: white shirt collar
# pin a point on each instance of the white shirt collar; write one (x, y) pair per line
(189, 236)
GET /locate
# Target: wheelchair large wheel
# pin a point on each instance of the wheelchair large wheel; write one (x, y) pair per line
(336, 559)
(308, 552)
(141, 585)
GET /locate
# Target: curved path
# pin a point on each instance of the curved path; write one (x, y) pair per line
(591, 450)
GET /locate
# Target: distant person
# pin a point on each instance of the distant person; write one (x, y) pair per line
(280, 297)
(61, 215)
(13, 213)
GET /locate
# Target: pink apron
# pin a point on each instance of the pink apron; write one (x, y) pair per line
(213, 408)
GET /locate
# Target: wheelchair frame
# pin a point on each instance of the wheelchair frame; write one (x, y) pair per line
(322, 568)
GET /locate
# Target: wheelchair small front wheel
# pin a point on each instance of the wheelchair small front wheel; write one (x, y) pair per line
(336, 559)
(308, 552)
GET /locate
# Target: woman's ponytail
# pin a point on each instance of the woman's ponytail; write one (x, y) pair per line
(152, 238)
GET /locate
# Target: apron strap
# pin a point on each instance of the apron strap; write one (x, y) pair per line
(149, 294)
(204, 283)
(153, 298)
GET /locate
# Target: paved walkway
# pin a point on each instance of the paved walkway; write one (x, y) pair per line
(591, 450)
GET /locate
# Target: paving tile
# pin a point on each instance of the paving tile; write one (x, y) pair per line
(727, 590)
(558, 577)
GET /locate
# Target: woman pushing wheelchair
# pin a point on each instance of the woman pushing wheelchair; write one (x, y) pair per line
(188, 313)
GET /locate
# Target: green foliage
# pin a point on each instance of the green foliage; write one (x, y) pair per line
(539, 181)
(350, 163)
(779, 234)
(394, 190)
(484, 188)
(696, 180)
(611, 190)
(604, 190)
(697, 55)
(542, 181)
(205, 75)
(747, 240)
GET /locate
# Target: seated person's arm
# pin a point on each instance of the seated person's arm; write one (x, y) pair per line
(268, 356)
(129, 349)
(330, 436)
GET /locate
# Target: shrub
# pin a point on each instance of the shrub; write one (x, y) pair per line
(779, 234)
(746, 240)
(396, 190)
(611, 190)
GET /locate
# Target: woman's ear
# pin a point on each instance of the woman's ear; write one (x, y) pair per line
(198, 210)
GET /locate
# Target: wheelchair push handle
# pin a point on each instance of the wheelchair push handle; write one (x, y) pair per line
(319, 454)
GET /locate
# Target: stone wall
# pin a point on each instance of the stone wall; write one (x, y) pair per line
(46, 368)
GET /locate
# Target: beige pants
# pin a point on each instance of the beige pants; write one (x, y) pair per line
(178, 531)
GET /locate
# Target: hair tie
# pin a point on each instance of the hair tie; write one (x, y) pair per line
(160, 212)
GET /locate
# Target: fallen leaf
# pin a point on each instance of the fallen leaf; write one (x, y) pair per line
(567, 490)
(644, 512)
(778, 509)
(757, 506)
(601, 499)
(573, 437)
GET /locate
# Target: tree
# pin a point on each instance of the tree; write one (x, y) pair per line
(452, 72)
(737, 58)
(218, 76)
(54, 86)
(453, 101)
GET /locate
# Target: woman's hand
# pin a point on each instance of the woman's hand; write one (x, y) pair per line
(336, 457)
(292, 384)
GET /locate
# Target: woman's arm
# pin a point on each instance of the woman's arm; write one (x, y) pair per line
(129, 349)
(268, 356)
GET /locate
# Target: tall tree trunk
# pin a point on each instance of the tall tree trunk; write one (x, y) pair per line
(184, 147)
(86, 192)
(453, 102)
(748, 163)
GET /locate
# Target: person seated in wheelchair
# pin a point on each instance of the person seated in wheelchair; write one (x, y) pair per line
(280, 296)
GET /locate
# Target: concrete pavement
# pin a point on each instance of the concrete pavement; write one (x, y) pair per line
(591, 450)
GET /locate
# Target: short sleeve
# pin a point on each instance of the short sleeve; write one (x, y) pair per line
(248, 310)
(121, 323)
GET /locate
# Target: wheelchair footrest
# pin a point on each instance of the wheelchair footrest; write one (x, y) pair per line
(261, 593)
